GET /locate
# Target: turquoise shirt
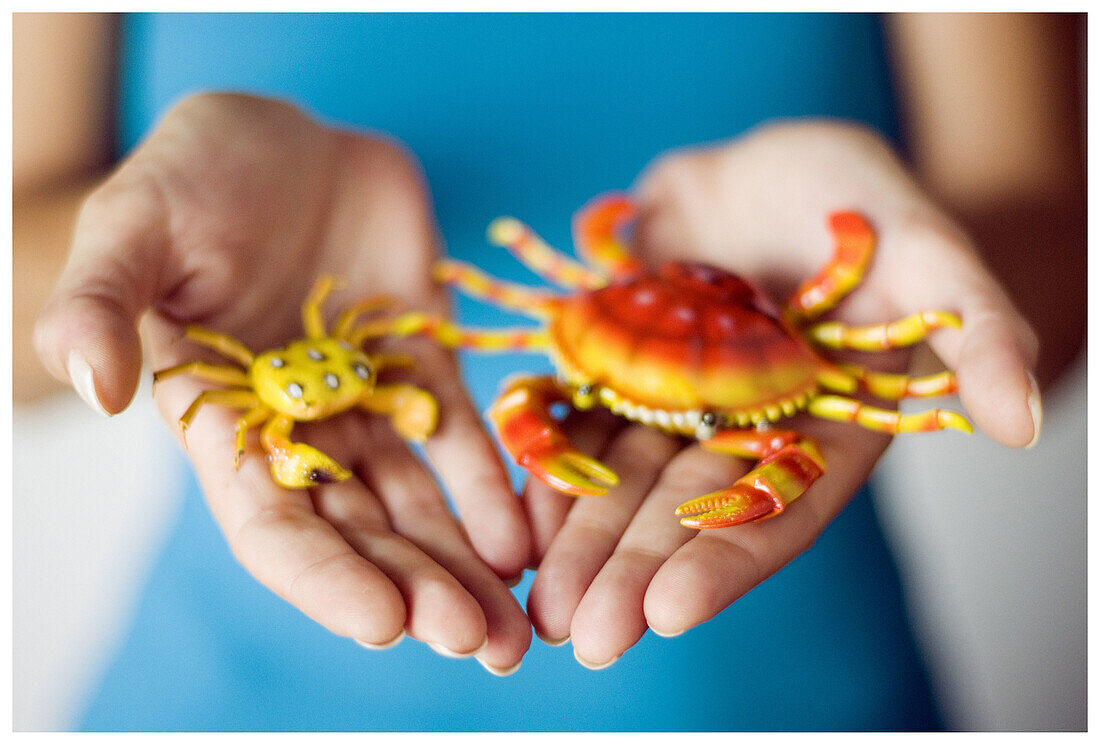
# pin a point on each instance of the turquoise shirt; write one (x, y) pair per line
(528, 115)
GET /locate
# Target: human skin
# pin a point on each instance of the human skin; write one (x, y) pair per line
(665, 577)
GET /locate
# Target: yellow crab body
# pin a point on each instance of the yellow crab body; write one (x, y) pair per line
(312, 378)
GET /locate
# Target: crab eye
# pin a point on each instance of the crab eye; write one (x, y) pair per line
(707, 427)
(332, 381)
(361, 370)
(277, 362)
(584, 396)
(315, 354)
(294, 390)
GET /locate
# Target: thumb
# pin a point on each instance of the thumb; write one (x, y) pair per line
(86, 334)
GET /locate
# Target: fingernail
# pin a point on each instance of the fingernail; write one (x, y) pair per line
(593, 665)
(446, 652)
(500, 672)
(84, 381)
(666, 634)
(1035, 403)
(385, 645)
(552, 642)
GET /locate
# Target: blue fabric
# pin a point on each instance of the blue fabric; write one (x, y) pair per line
(526, 115)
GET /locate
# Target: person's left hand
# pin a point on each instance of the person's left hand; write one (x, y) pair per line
(611, 567)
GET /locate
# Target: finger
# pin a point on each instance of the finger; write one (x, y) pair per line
(997, 384)
(546, 508)
(439, 609)
(611, 616)
(417, 511)
(593, 528)
(277, 536)
(995, 352)
(468, 463)
(717, 566)
(86, 334)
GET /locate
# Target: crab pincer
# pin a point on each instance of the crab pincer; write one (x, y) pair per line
(534, 439)
(789, 464)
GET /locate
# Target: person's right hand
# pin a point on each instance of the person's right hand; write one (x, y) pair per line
(225, 217)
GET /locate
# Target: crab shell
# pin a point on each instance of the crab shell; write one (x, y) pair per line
(683, 340)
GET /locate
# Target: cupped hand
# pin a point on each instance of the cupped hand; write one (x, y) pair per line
(225, 217)
(611, 567)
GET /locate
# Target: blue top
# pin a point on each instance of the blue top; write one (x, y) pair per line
(528, 115)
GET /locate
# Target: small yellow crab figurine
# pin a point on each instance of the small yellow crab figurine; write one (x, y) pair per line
(308, 379)
(691, 349)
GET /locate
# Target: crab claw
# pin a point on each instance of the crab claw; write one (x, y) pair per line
(417, 417)
(299, 466)
(738, 504)
(569, 471)
(535, 440)
(780, 477)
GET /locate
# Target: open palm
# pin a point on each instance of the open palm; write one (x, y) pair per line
(225, 217)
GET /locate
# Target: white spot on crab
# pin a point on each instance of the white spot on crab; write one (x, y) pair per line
(684, 313)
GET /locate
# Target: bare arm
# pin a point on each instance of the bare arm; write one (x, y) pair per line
(61, 131)
(996, 126)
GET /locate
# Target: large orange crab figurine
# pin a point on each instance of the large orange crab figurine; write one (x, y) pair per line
(690, 349)
(309, 379)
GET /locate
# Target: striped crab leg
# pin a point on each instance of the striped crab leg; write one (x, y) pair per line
(842, 409)
(596, 235)
(855, 244)
(882, 336)
(539, 257)
(478, 284)
(521, 415)
(894, 387)
(452, 336)
(789, 463)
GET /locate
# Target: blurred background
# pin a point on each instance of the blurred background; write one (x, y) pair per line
(990, 543)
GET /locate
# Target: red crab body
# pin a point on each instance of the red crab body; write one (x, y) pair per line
(691, 349)
(686, 338)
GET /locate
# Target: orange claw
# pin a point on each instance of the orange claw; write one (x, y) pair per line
(740, 503)
(781, 477)
(535, 440)
(568, 470)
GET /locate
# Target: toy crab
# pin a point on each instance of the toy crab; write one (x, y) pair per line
(312, 378)
(690, 349)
